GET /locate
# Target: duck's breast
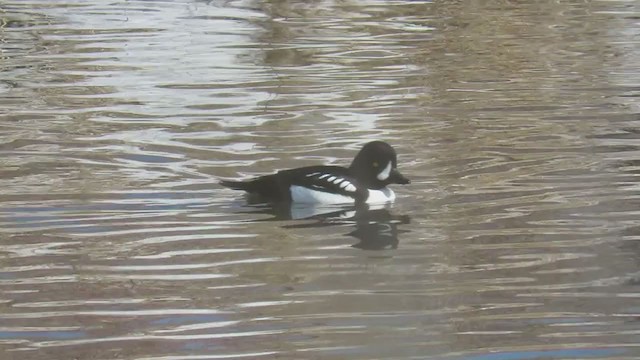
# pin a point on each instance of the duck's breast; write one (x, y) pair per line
(384, 195)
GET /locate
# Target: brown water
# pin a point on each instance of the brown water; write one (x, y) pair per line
(518, 122)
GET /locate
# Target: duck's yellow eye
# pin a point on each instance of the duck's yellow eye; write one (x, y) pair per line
(375, 164)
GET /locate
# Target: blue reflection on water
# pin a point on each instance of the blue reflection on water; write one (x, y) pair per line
(50, 335)
(546, 354)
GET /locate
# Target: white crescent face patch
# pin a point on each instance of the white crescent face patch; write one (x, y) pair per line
(384, 174)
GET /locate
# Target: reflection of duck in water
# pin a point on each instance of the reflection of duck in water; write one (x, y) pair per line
(377, 229)
(364, 181)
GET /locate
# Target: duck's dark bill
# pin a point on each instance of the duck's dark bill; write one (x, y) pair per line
(396, 178)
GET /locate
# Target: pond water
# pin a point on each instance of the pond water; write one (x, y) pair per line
(518, 123)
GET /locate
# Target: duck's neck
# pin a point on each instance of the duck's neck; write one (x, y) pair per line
(365, 177)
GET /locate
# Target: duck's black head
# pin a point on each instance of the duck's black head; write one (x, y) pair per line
(376, 166)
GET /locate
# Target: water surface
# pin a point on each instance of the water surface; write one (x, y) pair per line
(518, 124)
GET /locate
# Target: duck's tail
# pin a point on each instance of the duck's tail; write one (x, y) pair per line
(266, 186)
(237, 185)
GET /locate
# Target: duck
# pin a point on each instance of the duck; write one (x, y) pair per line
(365, 181)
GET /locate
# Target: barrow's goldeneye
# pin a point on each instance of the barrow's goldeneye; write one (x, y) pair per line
(364, 181)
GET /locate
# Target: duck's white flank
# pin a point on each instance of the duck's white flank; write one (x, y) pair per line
(304, 195)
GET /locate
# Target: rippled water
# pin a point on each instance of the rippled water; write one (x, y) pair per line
(518, 122)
